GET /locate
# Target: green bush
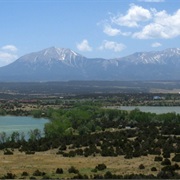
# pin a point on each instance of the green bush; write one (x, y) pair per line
(141, 166)
(108, 175)
(101, 167)
(38, 173)
(158, 158)
(72, 169)
(59, 171)
(176, 158)
(9, 176)
(153, 169)
(24, 173)
(166, 162)
(168, 168)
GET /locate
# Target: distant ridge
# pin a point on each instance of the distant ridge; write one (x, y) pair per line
(62, 64)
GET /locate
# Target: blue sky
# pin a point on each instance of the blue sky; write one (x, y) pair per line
(93, 28)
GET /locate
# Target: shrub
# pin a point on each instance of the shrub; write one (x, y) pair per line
(38, 173)
(158, 158)
(108, 175)
(59, 171)
(24, 173)
(72, 169)
(153, 169)
(71, 154)
(9, 176)
(166, 154)
(168, 168)
(141, 166)
(101, 167)
(79, 152)
(80, 176)
(176, 158)
(166, 162)
(176, 166)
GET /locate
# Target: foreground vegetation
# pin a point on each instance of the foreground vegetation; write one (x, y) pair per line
(86, 140)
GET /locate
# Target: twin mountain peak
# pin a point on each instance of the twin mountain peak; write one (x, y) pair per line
(61, 64)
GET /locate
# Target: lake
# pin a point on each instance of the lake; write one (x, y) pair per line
(152, 109)
(9, 124)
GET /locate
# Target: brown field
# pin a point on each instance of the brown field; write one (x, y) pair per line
(48, 162)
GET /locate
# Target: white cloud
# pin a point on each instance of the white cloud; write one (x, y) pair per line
(111, 31)
(84, 46)
(111, 45)
(8, 54)
(114, 32)
(144, 23)
(164, 26)
(151, 1)
(10, 48)
(156, 44)
(7, 58)
(134, 15)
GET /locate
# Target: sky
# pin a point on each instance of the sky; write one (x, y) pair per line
(92, 28)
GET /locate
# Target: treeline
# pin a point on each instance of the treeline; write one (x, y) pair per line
(87, 122)
(86, 119)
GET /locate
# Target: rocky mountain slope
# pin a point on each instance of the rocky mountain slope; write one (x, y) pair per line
(60, 64)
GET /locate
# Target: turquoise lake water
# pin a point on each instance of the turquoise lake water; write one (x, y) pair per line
(152, 109)
(9, 124)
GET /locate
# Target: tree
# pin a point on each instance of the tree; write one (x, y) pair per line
(15, 136)
(3, 137)
(83, 130)
(34, 134)
(57, 128)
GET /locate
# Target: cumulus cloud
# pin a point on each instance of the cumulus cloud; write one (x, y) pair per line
(111, 45)
(156, 44)
(157, 1)
(114, 31)
(164, 26)
(7, 58)
(10, 48)
(143, 23)
(8, 54)
(84, 46)
(111, 31)
(134, 15)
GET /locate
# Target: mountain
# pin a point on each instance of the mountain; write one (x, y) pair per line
(60, 64)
